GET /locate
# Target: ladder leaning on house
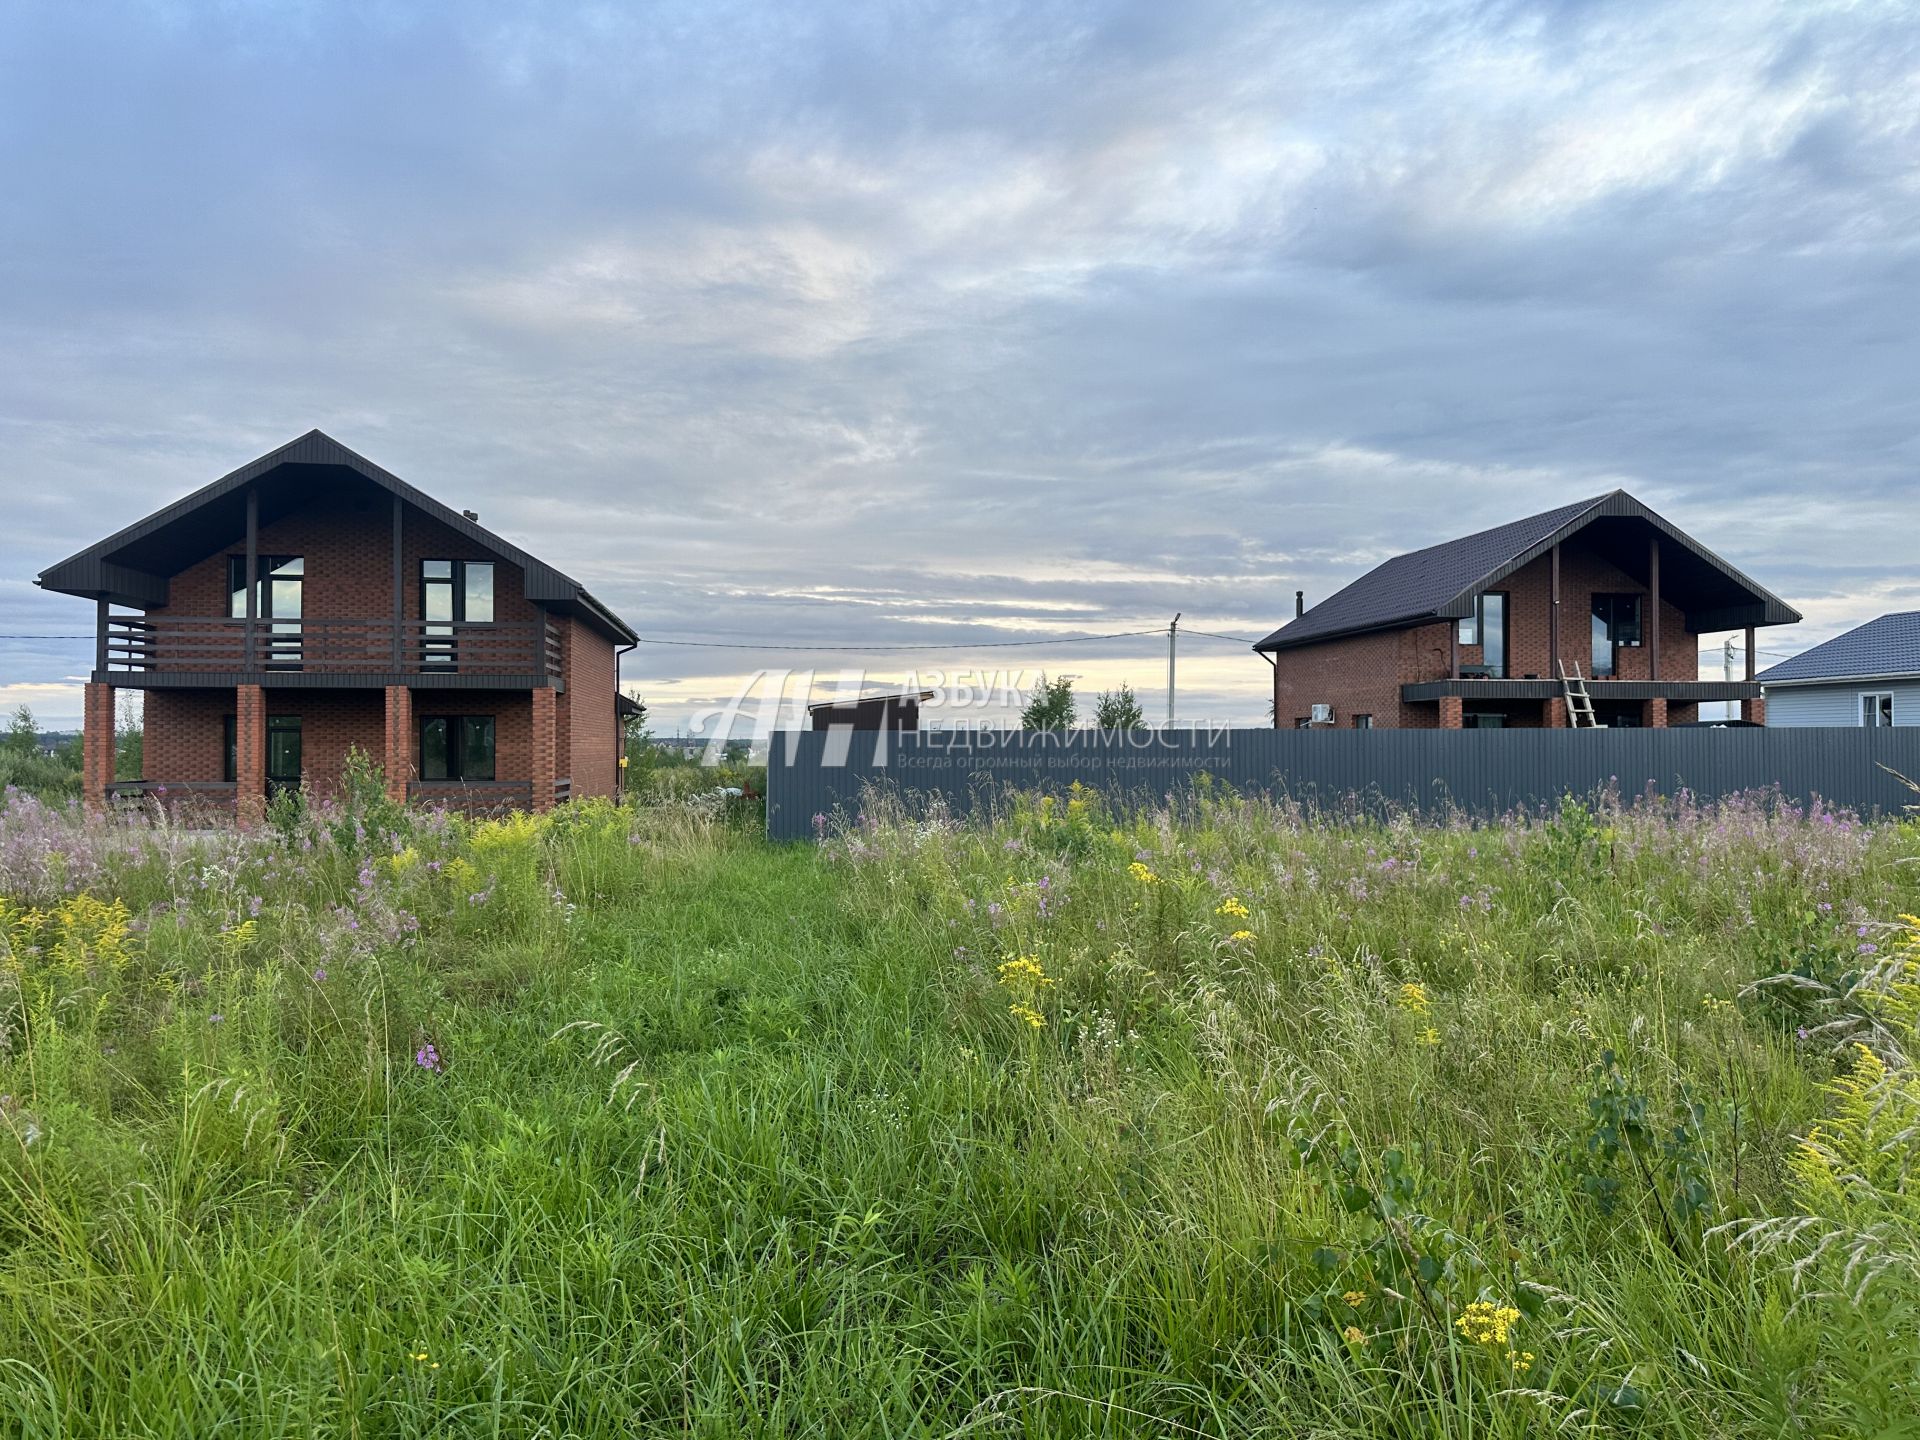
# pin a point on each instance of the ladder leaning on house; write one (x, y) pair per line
(1579, 703)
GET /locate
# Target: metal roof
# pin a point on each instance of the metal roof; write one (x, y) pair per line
(1882, 648)
(1441, 581)
(131, 566)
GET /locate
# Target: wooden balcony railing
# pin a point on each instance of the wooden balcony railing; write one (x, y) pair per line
(215, 644)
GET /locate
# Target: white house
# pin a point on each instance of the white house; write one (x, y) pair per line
(1868, 676)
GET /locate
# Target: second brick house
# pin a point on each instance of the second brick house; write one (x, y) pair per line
(310, 603)
(1476, 632)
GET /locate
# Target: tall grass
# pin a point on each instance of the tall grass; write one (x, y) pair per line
(1231, 1120)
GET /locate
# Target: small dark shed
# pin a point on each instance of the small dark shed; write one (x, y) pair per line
(870, 712)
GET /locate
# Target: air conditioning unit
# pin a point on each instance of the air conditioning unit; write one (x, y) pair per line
(1322, 715)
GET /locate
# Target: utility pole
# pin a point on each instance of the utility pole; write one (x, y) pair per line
(1173, 636)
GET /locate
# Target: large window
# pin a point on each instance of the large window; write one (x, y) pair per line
(456, 747)
(1487, 628)
(453, 592)
(1876, 710)
(1616, 625)
(280, 581)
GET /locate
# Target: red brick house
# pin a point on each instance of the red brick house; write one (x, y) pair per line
(375, 617)
(1475, 632)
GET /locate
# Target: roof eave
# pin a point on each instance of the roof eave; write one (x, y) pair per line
(1837, 679)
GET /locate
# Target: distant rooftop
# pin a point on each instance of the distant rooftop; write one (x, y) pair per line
(1889, 645)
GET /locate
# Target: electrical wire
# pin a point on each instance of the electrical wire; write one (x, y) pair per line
(870, 649)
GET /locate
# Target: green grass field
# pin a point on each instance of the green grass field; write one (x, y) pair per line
(1232, 1122)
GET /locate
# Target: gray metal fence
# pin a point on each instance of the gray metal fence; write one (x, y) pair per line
(814, 773)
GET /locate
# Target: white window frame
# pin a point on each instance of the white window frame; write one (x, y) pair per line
(1860, 712)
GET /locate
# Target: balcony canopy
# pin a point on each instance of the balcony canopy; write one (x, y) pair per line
(132, 566)
(1440, 582)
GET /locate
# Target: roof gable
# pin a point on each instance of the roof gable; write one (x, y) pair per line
(1886, 646)
(122, 567)
(1440, 582)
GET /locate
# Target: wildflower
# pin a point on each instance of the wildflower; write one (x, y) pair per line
(1354, 1299)
(1429, 1036)
(1023, 972)
(1413, 999)
(1142, 873)
(216, 1018)
(1028, 1015)
(1354, 1335)
(1485, 1323)
(1522, 1362)
(320, 976)
(1232, 907)
(1243, 937)
(427, 1057)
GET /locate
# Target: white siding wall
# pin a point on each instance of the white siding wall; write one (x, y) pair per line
(1839, 704)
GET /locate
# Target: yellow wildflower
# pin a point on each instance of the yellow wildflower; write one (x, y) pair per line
(1429, 1036)
(1243, 937)
(1522, 1362)
(1354, 1335)
(1413, 998)
(1231, 906)
(1485, 1323)
(1355, 1298)
(1139, 871)
(1023, 972)
(1028, 1015)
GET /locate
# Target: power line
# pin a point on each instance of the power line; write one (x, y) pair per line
(870, 649)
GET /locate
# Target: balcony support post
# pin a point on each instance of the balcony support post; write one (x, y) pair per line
(399, 757)
(399, 594)
(252, 577)
(1653, 620)
(249, 755)
(100, 626)
(1553, 616)
(97, 750)
(546, 747)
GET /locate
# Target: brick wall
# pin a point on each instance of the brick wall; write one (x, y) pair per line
(185, 734)
(593, 730)
(1361, 675)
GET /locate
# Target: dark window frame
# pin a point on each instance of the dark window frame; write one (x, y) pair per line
(1604, 616)
(456, 747)
(1363, 722)
(437, 649)
(1472, 630)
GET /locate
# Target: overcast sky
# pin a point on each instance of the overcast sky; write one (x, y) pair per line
(943, 324)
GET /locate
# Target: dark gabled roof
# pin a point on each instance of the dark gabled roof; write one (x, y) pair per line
(131, 566)
(1441, 581)
(1884, 648)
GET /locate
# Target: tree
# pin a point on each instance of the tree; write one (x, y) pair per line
(1119, 710)
(23, 736)
(1050, 706)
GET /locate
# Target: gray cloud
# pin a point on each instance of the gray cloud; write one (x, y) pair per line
(943, 324)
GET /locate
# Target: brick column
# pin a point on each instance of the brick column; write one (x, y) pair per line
(546, 746)
(398, 763)
(96, 745)
(1754, 710)
(249, 754)
(1654, 713)
(1555, 716)
(1452, 712)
